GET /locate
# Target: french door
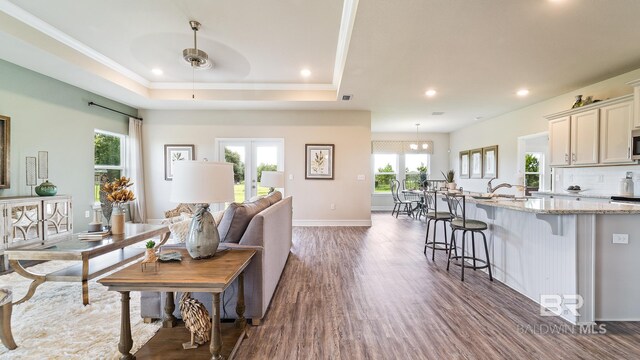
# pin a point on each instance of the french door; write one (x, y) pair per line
(250, 157)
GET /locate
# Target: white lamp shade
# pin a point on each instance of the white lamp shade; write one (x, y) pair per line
(196, 182)
(274, 179)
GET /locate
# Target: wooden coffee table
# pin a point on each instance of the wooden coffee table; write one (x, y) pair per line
(212, 275)
(95, 257)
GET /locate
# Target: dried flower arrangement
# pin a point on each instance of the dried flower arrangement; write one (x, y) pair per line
(117, 191)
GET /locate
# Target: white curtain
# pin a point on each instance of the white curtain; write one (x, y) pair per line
(136, 171)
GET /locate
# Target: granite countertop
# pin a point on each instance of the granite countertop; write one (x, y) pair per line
(558, 206)
(582, 194)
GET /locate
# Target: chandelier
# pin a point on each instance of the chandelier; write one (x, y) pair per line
(416, 145)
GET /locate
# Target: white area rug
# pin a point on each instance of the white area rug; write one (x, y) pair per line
(54, 324)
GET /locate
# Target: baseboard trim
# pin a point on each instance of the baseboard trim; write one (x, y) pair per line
(381, 208)
(302, 223)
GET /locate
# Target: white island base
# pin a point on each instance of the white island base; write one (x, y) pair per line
(545, 252)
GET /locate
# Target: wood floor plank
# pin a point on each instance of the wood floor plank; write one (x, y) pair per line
(370, 293)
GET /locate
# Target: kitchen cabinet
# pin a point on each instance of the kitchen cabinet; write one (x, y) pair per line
(636, 103)
(559, 140)
(584, 138)
(616, 122)
(596, 134)
(33, 220)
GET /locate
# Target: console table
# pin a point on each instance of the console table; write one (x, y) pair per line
(95, 257)
(208, 275)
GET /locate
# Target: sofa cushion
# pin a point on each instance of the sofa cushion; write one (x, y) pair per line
(237, 217)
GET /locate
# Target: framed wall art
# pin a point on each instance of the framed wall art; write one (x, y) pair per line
(490, 162)
(319, 161)
(5, 145)
(475, 164)
(174, 153)
(464, 165)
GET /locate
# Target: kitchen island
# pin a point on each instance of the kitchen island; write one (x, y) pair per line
(560, 252)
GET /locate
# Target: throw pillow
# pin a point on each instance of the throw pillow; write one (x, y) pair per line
(237, 217)
(274, 197)
(180, 230)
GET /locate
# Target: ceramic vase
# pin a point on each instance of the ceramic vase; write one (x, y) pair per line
(46, 189)
(452, 186)
(117, 221)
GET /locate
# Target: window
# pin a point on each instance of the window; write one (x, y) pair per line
(411, 169)
(109, 158)
(385, 169)
(534, 171)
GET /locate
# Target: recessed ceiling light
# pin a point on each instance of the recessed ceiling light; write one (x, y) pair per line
(305, 72)
(157, 71)
(430, 93)
(523, 92)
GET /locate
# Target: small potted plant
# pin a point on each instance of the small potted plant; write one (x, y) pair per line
(150, 256)
(449, 177)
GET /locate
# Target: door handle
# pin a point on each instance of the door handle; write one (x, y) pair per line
(628, 153)
(573, 157)
(566, 158)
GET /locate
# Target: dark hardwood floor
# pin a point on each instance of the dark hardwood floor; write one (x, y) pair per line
(370, 293)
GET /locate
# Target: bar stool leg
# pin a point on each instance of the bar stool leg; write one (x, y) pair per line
(433, 244)
(426, 236)
(473, 249)
(452, 244)
(464, 235)
(486, 252)
(446, 249)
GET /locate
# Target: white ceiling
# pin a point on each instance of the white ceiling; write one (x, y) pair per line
(476, 54)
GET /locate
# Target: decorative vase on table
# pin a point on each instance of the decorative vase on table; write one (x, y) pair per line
(46, 189)
(117, 220)
(452, 186)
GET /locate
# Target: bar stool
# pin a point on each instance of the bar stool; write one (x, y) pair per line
(430, 203)
(457, 209)
(5, 319)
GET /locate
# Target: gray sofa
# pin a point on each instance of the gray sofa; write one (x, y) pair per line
(270, 233)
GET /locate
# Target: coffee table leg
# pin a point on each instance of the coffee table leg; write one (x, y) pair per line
(241, 322)
(216, 338)
(37, 280)
(5, 326)
(85, 284)
(169, 306)
(126, 342)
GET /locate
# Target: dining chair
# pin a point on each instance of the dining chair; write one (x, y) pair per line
(432, 214)
(460, 222)
(399, 204)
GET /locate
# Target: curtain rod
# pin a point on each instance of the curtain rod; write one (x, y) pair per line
(91, 103)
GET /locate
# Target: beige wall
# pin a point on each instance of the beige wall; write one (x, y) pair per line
(350, 131)
(504, 130)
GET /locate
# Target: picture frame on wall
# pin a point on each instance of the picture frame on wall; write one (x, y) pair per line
(319, 161)
(490, 162)
(475, 164)
(172, 153)
(5, 147)
(463, 173)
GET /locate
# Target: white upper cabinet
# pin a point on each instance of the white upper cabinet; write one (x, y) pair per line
(615, 133)
(636, 103)
(559, 136)
(584, 138)
(598, 133)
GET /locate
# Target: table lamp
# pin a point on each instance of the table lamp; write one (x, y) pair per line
(272, 179)
(202, 183)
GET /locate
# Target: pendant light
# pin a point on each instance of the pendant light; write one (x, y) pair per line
(416, 145)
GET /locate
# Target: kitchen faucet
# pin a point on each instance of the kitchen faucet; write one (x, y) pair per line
(491, 189)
